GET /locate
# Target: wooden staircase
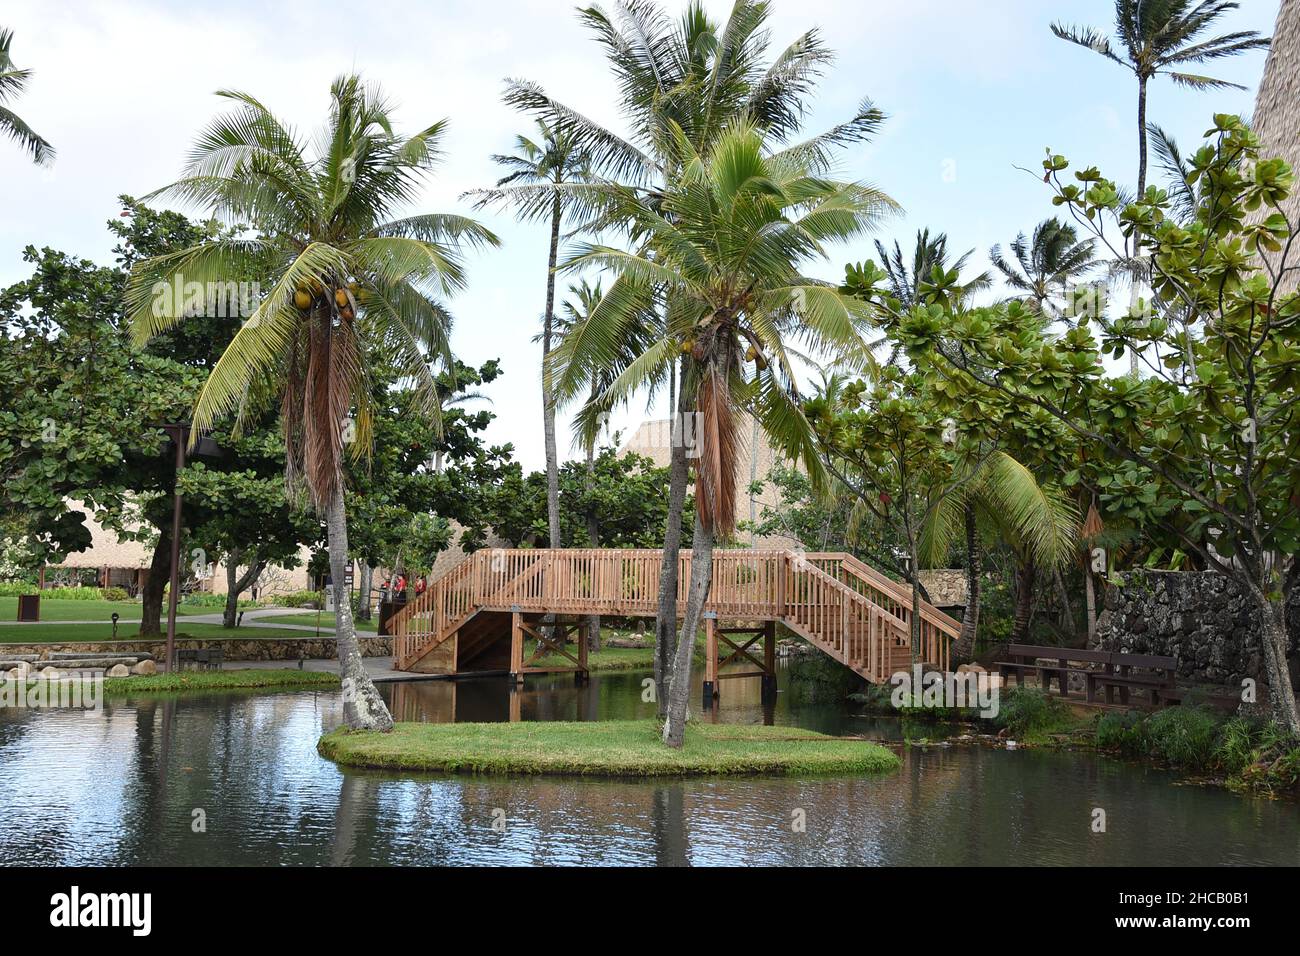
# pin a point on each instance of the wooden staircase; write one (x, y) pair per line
(842, 606)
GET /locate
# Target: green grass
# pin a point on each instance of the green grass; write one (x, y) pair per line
(611, 658)
(216, 680)
(64, 610)
(308, 618)
(629, 748)
(72, 633)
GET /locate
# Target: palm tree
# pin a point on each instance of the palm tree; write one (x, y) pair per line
(1046, 265)
(552, 160)
(12, 82)
(349, 279)
(1277, 115)
(997, 496)
(723, 245)
(929, 273)
(1159, 37)
(690, 77)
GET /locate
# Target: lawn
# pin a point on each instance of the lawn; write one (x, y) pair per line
(612, 658)
(217, 680)
(59, 633)
(65, 610)
(308, 618)
(629, 748)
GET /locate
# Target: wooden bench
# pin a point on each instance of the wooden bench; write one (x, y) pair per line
(1156, 676)
(1025, 657)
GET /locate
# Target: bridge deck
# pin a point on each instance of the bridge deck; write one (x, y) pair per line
(842, 606)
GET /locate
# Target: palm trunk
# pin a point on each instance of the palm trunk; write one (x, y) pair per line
(679, 684)
(548, 400)
(1090, 601)
(1026, 574)
(666, 614)
(964, 649)
(593, 538)
(1141, 188)
(363, 708)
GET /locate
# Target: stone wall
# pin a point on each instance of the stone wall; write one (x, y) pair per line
(236, 649)
(1199, 618)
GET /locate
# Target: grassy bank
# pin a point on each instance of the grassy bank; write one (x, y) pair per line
(219, 680)
(629, 748)
(308, 619)
(56, 609)
(613, 658)
(56, 633)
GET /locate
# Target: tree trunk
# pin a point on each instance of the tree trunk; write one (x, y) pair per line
(666, 614)
(679, 684)
(548, 400)
(1026, 574)
(367, 585)
(1141, 188)
(236, 585)
(229, 615)
(1273, 639)
(151, 595)
(593, 539)
(964, 649)
(1090, 602)
(363, 708)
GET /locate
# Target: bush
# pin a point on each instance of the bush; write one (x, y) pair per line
(114, 594)
(1024, 711)
(1184, 736)
(311, 599)
(16, 588)
(1124, 732)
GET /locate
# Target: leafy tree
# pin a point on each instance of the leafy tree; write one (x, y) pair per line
(12, 82)
(1208, 441)
(350, 280)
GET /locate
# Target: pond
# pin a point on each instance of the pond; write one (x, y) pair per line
(234, 779)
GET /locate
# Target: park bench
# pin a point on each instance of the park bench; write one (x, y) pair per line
(1143, 672)
(207, 659)
(1027, 657)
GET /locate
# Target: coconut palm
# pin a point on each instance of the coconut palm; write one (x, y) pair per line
(1046, 265)
(723, 246)
(550, 159)
(1160, 38)
(12, 82)
(1277, 116)
(349, 279)
(691, 77)
(929, 274)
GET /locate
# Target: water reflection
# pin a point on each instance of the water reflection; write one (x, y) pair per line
(124, 786)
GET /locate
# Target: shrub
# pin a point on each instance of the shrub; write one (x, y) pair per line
(16, 588)
(1125, 732)
(114, 594)
(1024, 711)
(1184, 736)
(73, 594)
(311, 599)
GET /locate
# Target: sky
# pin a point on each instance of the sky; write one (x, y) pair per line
(973, 92)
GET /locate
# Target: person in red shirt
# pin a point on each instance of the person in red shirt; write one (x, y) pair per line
(420, 584)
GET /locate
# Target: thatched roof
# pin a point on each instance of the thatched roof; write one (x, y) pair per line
(1277, 109)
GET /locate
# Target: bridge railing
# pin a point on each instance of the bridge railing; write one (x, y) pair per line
(853, 610)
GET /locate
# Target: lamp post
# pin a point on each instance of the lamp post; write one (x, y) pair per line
(203, 448)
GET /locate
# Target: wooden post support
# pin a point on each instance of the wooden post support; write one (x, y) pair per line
(516, 647)
(769, 662)
(584, 635)
(710, 660)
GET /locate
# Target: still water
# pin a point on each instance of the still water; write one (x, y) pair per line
(231, 779)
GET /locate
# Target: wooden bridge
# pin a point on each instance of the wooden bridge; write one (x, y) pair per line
(476, 616)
